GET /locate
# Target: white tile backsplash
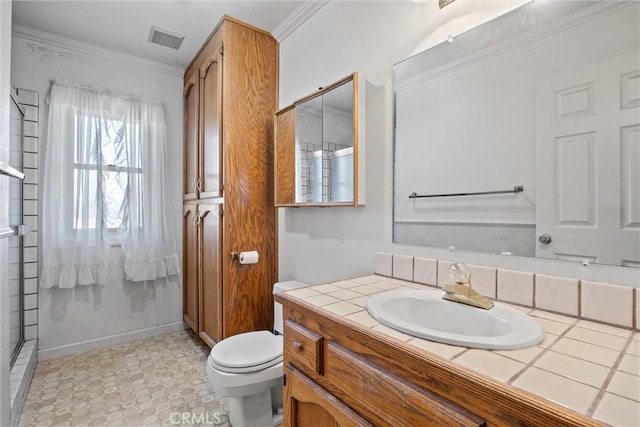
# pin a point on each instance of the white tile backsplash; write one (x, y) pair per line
(557, 294)
(483, 279)
(601, 302)
(384, 264)
(443, 272)
(515, 286)
(403, 267)
(425, 271)
(607, 303)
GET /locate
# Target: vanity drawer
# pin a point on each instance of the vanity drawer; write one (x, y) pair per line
(304, 347)
(386, 397)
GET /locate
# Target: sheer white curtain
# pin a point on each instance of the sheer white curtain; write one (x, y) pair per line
(104, 182)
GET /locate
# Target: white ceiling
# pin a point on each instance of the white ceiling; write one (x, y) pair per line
(124, 26)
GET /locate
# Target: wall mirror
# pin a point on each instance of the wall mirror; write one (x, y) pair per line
(317, 148)
(522, 136)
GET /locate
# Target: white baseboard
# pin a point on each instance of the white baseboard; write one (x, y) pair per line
(81, 347)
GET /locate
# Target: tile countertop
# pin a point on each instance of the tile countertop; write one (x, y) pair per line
(591, 368)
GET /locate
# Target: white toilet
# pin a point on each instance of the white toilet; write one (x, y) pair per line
(247, 370)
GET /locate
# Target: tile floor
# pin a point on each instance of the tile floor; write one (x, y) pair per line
(156, 381)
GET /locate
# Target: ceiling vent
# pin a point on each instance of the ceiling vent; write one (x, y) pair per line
(165, 37)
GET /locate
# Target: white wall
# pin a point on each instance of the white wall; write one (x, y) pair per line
(5, 69)
(318, 245)
(86, 317)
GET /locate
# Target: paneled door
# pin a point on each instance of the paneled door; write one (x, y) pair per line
(588, 163)
(191, 117)
(210, 272)
(210, 184)
(190, 304)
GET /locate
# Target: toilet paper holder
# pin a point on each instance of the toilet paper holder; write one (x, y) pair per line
(249, 257)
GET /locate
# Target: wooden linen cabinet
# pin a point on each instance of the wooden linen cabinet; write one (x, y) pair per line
(230, 96)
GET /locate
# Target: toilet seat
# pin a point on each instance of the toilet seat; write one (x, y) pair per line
(247, 352)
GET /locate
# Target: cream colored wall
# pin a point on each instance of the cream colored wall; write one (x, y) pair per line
(319, 245)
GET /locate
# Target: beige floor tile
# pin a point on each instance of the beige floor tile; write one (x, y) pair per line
(134, 384)
(575, 369)
(491, 364)
(443, 350)
(618, 411)
(566, 392)
(583, 350)
(625, 385)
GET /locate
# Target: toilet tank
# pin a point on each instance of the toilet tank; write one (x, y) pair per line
(278, 323)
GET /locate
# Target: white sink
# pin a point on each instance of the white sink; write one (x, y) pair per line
(424, 314)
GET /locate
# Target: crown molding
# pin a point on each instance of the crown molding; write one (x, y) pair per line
(53, 40)
(297, 18)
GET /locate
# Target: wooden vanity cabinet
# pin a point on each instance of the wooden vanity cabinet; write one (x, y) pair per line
(341, 374)
(230, 97)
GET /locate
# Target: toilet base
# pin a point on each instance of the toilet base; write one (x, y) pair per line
(256, 410)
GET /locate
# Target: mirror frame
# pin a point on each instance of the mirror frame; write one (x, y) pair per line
(284, 162)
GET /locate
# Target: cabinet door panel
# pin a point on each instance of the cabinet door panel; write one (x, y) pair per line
(211, 120)
(309, 405)
(285, 157)
(210, 273)
(388, 397)
(190, 266)
(191, 118)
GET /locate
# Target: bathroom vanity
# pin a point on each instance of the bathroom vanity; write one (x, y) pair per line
(344, 369)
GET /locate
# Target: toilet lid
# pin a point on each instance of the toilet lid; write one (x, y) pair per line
(256, 350)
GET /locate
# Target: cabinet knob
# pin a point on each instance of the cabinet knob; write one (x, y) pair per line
(297, 346)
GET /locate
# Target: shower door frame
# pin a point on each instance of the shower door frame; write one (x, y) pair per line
(16, 350)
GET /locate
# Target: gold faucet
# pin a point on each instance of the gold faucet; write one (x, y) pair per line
(461, 290)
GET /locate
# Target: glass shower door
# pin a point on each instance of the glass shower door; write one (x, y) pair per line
(16, 282)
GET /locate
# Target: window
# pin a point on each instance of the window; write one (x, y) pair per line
(102, 157)
(104, 182)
